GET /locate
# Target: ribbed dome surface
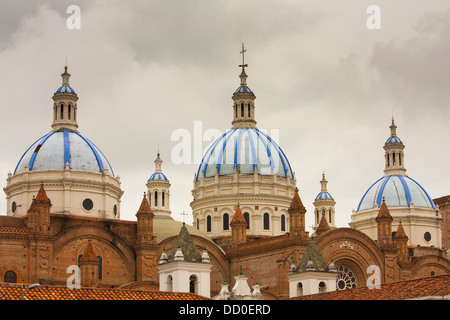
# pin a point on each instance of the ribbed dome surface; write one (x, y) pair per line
(55, 149)
(158, 176)
(244, 149)
(65, 89)
(323, 196)
(398, 191)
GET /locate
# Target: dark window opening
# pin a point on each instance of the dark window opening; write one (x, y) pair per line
(10, 277)
(208, 224)
(226, 221)
(247, 219)
(283, 222)
(266, 224)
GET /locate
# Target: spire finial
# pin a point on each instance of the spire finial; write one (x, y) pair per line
(243, 65)
(65, 76)
(243, 75)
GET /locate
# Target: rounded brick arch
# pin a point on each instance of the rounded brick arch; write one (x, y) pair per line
(220, 269)
(117, 257)
(352, 248)
(423, 266)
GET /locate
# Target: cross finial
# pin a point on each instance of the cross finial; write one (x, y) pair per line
(243, 65)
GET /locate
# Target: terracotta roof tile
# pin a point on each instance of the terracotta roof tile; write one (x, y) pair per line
(238, 217)
(44, 292)
(89, 253)
(296, 202)
(145, 206)
(400, 231)
(41, 197)
(436, 286)
(383, 213)
(323, 226)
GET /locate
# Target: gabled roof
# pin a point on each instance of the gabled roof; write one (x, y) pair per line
(435, 286)
(44, 292)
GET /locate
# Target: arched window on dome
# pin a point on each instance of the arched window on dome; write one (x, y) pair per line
(163, 198)
(226, 221)
(208, 224)
(198, 223)
(247, 219)
(283, 222)
(242, 109)
(61, 111)
(69, 110)
(156, 198)
(266, 224)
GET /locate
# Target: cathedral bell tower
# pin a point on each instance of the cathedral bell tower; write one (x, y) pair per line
(244, 101)
(65, 105)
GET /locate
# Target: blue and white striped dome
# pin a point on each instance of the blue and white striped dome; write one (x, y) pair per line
(398, 191)
(243, 89)
(323, 196)
(55, 149)
(63, 89)
(394, 139)
(158, 176)
(244, 149)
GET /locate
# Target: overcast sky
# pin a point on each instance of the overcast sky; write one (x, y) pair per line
(327, 83)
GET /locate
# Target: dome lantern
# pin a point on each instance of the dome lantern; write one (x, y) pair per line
(394, 157)
(244, 101)
(65, 105)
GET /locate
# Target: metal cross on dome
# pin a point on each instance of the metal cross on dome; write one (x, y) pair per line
(243, 65)
(183, 214)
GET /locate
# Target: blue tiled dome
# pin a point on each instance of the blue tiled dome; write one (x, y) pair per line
(244, 149)
(324, 196)
(158, 176)
(55, 149)
(63, 89)
(398, 191)
(243, 89)
(394, 139)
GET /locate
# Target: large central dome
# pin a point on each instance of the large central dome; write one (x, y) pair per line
(246, 150)
(58, 148)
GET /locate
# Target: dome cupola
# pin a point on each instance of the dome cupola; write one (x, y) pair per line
(65, 105)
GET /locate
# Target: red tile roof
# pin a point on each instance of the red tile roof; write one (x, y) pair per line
(238, 217)
(323, 225)
(45, 292)
(145, 206)
(383, 213)
(435, 286)
(296, 202)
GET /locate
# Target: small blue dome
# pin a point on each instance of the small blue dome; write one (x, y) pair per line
(55, 149)
(398, 191)
(323, 196)
(243, 89)
(158, 176)
(394, 139)
(244, 149)
(63, 89)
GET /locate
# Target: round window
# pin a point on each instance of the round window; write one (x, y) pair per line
(346, 278)
(88, 204)
(14, 207)
(427, 236)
